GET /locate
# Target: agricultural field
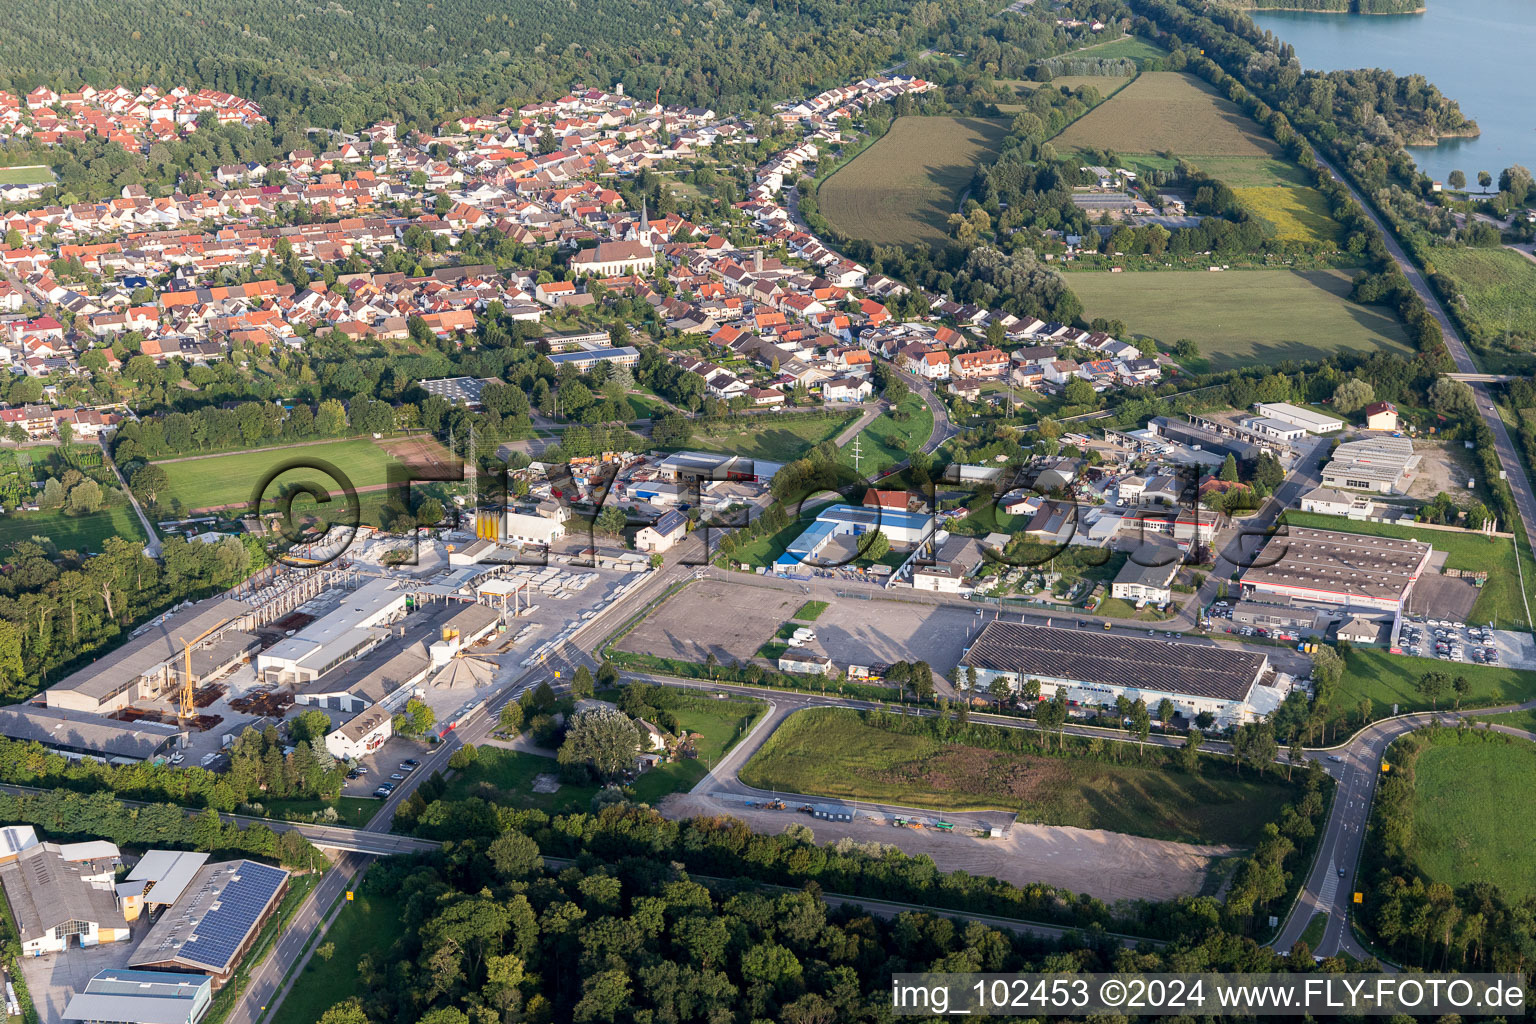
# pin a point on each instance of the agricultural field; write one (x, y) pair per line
(1243, 317)
(1387, 679)
(1167, 111)
(71, 533)
(903, 188)
(1499, 287)
(1462, 829)
(34, 175)
(1499, 601)
(770, 437)
(1299, 212)
(1250, 171)
(228, 480)
(837, 753)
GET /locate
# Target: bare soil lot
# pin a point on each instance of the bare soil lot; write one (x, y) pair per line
(713, 617)
(1108, 865)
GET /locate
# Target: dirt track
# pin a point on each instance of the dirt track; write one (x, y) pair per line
(1108, 865)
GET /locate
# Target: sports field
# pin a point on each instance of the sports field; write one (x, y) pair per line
(903, 188)
(837, 753)
(1463, 830)
(1167, 111)
(35, 175)
(1243, 316)
(230, 480)
(1298, 212)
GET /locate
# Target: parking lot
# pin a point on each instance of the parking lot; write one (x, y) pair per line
(1456, 641)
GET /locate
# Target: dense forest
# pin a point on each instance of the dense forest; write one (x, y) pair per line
(1339, 6)
(344, 65)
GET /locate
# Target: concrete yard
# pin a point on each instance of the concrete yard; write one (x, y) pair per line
(1108, 865)
(689, 625)
(52, 979)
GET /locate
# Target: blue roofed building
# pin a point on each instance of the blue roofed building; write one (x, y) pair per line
(121, 996)
(902, 529)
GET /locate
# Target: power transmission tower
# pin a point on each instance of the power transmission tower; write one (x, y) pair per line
(856, 451)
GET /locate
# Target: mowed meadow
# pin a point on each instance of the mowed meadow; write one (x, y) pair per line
(1242, 317)
(902, 189)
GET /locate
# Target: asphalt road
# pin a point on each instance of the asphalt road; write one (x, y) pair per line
(1331, 886)
(1509, 458)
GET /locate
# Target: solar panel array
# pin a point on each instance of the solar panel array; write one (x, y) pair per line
(231, 919)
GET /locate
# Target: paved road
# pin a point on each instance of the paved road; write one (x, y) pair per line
(262, 990)
(1331, 886)
(152, 548)
(1509, 457)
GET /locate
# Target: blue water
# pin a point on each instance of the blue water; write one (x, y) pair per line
(1477, 52)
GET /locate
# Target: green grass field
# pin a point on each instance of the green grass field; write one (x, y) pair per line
(1387, 679)
(1525, 720)
(1499, 287)
(35, 175)
(367, 926)
(354, 811)
(1499, 602)
(904, 187)
(71, 533)
(1463, 830)
(1132, 47)
(769, 437)
(887, 440)
(722, 725)
(810, 611)
(506, 776)
(1298, 212)
(1243, 317)
(1314, 932)
(836, 753)
(1252, 171)
(230, 479)
(1168, 111)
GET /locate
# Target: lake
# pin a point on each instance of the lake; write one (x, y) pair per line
(1477, 52)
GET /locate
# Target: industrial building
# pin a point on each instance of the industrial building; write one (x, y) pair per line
(661, 535)
(902, 529)
(1093, 669)
(1326, 567)
(215, 921)
(690, 466)
(62, 892)
(152, 663)
(1311, 421)
(352, 628)
(157, 881)
(124, 996)
(1383, 465)
(77, 734)
(541, 525)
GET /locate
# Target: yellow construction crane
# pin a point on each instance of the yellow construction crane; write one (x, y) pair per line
(186, 679)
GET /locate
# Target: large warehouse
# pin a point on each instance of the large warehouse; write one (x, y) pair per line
(81, 734)
(902, 529)
(1327, 567)
(1097, 668)
(151, 664)
(215, 919)
(1383, 465)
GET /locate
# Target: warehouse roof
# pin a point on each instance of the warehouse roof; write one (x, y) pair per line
(85, 733)
(160, 642)
(163, 875)
(46, 888)
(139, 997)
(1156, 665)
(207, 928)
(1333, 562)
